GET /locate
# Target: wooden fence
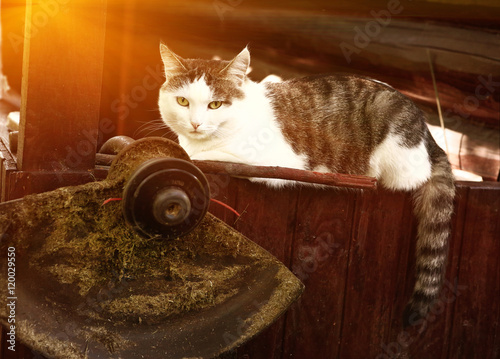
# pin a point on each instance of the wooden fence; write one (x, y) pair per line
(354, 251)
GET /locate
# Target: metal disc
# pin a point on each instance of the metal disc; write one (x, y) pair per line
(165, 198)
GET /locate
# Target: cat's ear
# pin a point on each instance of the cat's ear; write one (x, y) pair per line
(238, 66)
(172, 62)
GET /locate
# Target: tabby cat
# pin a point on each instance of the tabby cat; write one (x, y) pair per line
(331, 123)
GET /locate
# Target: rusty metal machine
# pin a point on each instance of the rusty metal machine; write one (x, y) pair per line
(152, 275)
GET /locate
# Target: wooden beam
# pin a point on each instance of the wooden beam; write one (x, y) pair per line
(61, 87)
(292, 174)
(329, 179)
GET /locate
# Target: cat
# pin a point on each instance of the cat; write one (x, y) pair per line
(331, 123)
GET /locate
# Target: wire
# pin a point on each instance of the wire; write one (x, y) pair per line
(438, 103)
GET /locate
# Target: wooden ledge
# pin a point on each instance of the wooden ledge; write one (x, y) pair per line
(242, 170)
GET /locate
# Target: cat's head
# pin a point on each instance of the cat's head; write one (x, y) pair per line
(197, 98)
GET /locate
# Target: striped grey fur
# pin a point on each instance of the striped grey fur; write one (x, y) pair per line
(341, 136)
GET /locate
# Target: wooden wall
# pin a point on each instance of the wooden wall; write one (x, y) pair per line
(354, 252)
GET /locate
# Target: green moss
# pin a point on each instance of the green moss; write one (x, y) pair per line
(90, 247)
(85, 261)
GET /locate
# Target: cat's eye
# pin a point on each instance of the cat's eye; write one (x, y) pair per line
(182, 101)
(214, 105)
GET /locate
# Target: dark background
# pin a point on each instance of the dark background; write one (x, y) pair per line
(295, 38)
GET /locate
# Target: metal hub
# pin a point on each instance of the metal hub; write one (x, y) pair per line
(165, 198)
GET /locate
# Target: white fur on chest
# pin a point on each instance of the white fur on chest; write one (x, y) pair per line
(253, 137)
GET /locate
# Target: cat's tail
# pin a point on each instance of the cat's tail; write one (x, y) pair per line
(433, 208)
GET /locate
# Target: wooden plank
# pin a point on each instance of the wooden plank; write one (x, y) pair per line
(19, 183)
(319, 259)
(225, 189)
(404, 278)
(62, 72)
(476, 332)
(375, 277)
(330, 179)
(431, 338)
(267, 345)
(268, 218)
(293, 174)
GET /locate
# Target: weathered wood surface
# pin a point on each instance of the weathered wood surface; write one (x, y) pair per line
(244, 170)
(61, 94)
(61, 86)
(354, 251)
(322, 178)
(476, 333)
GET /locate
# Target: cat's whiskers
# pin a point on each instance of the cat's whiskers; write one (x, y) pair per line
(221, 132)
(147, 128)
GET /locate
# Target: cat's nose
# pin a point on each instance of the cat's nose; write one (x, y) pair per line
(195, 125)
